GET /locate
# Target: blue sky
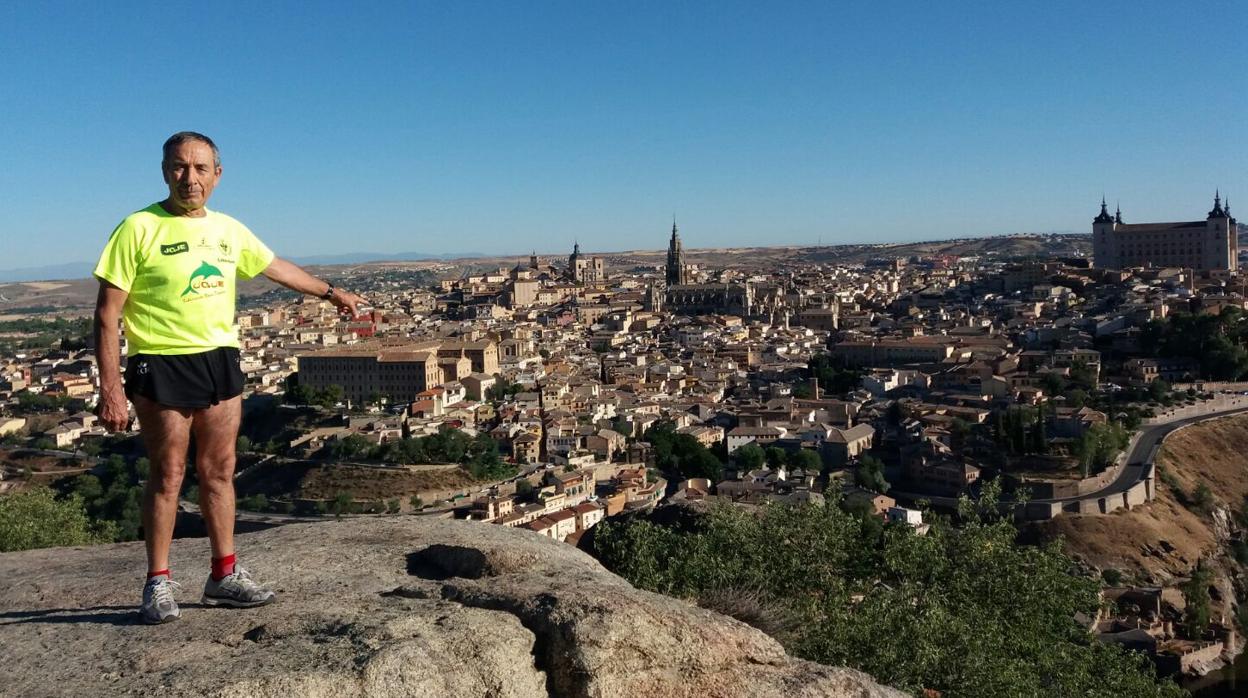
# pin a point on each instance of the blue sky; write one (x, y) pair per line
(501, 127)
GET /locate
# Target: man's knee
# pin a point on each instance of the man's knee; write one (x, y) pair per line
(215, 473)
(166, 478)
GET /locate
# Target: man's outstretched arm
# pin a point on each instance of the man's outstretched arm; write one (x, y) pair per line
(293, 277)
(114, 414)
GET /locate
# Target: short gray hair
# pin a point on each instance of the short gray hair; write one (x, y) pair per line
(181, 137)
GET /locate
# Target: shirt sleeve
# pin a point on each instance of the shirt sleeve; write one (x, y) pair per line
(253, 256)
(120, 260)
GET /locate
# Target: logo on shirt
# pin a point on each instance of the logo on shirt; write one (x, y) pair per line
(206, 280)
(175, 248)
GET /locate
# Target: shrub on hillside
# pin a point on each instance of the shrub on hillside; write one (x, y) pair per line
(965, 611)
(36, 519)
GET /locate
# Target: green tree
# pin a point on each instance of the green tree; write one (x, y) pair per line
(870, 474)
(621, 425)
(808, 460)
(342, 504)
(36, 519)
(749, 457)
(959, 433)
(776, 457)
(255, 502)
(1039, 441)
(1158, 390)
(835, 376)
(1052, 384)
(297, 393)
(331, 395)
(1217, 343)
(1202, 498)
(350, 447)
(525, 490)
(242, 444)
(1198, 611)
(1076, 398)
(680, 456)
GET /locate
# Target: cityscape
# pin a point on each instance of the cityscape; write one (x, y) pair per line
(935, 383)
(581, 389)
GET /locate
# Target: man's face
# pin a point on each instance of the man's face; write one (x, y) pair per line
(191, 175)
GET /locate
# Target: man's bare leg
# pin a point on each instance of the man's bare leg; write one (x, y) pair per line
(166, 434)
(216, 433)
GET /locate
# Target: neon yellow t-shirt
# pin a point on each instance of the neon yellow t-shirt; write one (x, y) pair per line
(180, 274)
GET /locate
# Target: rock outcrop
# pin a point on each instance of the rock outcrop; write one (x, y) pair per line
(397, 606)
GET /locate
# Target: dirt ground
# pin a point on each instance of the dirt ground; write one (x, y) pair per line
(305, 480)
(376, 484)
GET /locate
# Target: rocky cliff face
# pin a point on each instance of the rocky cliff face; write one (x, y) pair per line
(399, 606)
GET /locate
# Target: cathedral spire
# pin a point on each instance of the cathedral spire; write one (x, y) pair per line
(1117, 213)
(676, 273)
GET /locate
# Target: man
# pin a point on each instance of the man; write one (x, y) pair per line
(169, 271)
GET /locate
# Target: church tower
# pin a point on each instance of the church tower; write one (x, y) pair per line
(574, 271)
(653, 300)
(677, 272)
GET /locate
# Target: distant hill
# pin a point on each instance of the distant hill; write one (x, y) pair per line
(999, 246)
(364, 257)
(51, 272)
(82, 270)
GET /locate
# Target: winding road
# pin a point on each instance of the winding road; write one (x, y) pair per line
(1140, 452)
(1143, 448)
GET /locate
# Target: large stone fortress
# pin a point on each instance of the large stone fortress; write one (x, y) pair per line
(1208, 245)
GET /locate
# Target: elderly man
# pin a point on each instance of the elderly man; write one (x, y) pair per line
(169, 272)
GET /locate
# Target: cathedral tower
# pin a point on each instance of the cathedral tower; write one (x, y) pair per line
(677, 272)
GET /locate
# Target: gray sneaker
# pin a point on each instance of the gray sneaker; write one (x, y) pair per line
(238, 590)
(158, 604)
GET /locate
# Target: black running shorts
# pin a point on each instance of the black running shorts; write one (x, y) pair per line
(191, 381)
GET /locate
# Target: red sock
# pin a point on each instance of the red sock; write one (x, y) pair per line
(158, 573)
(222, 567)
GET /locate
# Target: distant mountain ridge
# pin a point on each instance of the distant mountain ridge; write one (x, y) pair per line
(363, 257)
(51, 272)
(82, 270)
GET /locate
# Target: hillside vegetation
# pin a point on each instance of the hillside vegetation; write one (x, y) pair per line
(965, 610)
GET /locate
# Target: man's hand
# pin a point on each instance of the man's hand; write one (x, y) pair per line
(113, 411)
(347, 302)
